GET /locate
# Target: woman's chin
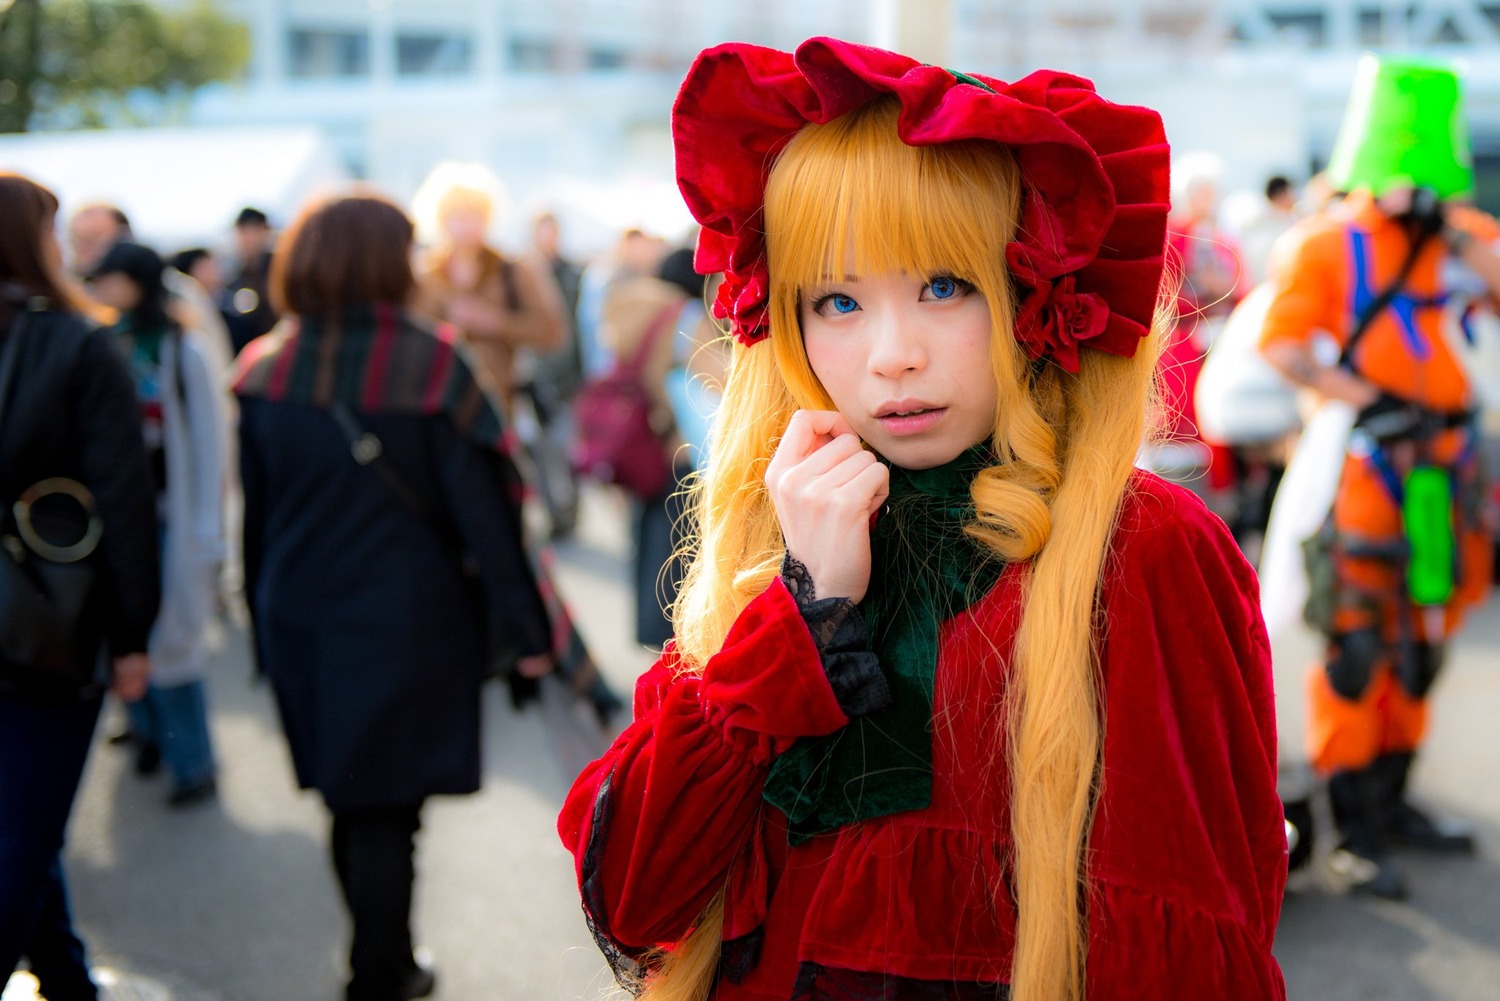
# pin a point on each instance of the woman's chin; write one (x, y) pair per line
(914, 453)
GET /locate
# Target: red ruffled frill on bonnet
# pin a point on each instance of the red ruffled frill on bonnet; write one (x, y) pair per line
(1187, 855)
(1089, 247)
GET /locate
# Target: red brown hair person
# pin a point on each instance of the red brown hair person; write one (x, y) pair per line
(334, 549)
(375, 594)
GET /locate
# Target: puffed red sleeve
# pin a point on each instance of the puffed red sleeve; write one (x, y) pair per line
(1188, 852)
(657, 824)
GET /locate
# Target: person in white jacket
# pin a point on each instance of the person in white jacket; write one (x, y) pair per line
(183, 412)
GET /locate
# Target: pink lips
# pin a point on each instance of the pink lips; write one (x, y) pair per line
(908, 417)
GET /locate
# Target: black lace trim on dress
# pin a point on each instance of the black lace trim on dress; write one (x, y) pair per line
(829, 983)
(738, 956)
(627, 964)
(838, 630)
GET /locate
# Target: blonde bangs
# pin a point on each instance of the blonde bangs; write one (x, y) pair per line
(851, 194)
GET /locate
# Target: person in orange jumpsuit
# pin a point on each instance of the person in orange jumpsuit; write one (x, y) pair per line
(1381, 275)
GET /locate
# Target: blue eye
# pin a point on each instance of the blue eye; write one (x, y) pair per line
(834, 302)
(943, 288)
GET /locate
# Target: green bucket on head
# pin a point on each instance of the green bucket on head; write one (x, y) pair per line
(1427, 518)
(1404, 126)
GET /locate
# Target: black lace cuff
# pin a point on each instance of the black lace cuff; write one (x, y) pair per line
(738, 956)
(628, 965)
(843, 642)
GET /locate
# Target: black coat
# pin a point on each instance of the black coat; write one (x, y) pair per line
(247, 296)
(373, 638)
(72, 412)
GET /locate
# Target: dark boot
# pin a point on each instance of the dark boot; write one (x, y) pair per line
(1362, 858)
(55, 952)
(1295, 784)
(147, 758)
(1418, 666)
(1405, 825)
(372, 855)
(1299, 822)
(421, 980)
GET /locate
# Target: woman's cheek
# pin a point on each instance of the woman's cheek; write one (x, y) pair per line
(837, 368)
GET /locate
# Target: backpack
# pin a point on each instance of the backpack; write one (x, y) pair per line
(619, 437)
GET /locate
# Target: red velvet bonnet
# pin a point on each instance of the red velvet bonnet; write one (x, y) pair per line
(1088, 254)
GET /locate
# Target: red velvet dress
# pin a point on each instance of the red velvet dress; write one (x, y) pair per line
(1187, 857)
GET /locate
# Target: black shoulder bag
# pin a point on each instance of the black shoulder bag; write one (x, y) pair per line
(48, 646)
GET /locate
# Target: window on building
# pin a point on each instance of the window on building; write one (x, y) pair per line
(605, 59)
(532, 55)
(326, 54)
(1448, 33)
(1307, 26)
(538, 55)
(433, 54)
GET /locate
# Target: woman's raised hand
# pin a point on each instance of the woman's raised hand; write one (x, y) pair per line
(826, 487)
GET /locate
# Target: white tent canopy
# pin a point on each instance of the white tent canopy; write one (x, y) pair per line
(180, 187)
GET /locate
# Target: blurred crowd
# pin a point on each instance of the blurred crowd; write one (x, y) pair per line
(340, 428)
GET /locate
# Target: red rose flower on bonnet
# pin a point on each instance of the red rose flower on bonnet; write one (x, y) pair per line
(1090, 241)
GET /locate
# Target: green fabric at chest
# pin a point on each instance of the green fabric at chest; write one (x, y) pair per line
(924, 570)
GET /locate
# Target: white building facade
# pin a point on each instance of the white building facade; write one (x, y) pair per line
(566, 94)
(557, 92)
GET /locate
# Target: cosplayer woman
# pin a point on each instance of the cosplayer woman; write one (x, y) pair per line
(961, 705)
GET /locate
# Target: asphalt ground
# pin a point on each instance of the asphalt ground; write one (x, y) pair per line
(235, 900)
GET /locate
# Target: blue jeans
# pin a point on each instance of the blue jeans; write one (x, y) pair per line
(42, 752)
(176, 720)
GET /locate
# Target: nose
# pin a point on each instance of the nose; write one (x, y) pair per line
(896, 345)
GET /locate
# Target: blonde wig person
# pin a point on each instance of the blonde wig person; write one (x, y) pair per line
(961, 704)
(501, 305)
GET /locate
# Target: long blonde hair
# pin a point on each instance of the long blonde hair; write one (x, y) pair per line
(1066, 446)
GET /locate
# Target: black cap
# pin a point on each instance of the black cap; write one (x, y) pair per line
(140, 264)
(184, 260)
(677, 268)
(251, 217)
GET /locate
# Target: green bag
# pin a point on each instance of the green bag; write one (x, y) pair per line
(1427, 518)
